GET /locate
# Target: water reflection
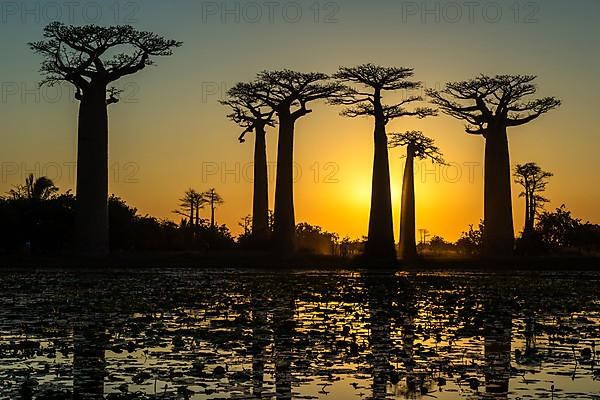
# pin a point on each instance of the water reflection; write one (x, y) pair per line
(380, 289)
(283, 332)
(260, 338)
(191, 335)
(89, 347)
(497, 346)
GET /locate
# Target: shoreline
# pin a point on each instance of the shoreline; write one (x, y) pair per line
(269, 262)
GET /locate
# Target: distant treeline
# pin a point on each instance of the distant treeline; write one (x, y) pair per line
(37, 219)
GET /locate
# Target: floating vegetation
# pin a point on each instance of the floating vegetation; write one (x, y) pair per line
(185, 334)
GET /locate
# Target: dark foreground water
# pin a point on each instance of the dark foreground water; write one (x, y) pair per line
(183, 334)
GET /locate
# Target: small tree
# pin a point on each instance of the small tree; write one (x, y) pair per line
(369, 103)
(470, 241)
(190, 205)
(491, 105)
(421, 147)
(252, 114)
(214, 199)
(90, 58)
(556, 228)
(534, 181)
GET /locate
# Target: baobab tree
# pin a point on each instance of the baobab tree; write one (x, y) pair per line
(252, 114)
(288, 93)
(491, 105)
(369, 103)
(214, 199)
(418, 146)
(534, 181)
(91, 58)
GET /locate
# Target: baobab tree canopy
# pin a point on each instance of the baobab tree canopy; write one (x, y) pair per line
(378, 79)
(251, 113)
(247, 108)
(291, 91)
(91, 57)
(491, 105)
(84, 54)
(422, 147)
(499, 100)
(288, 93)
(361, 102)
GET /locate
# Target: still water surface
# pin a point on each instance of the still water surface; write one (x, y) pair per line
(185, 334)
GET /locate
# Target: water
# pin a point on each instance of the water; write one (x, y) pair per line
(184, 334)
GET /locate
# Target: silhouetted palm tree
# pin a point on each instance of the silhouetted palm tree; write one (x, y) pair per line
(214, 199)
(421, 147)
(491, 105)
(377, 79)
(88, 57)
(41, 188)
(190, 206)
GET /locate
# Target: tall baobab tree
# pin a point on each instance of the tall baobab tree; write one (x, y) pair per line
(534, 181)
(420, 147)
(252, 114)
(377, 79)
(214, 199)
(491, 105)
(91, 58)
(288, 93)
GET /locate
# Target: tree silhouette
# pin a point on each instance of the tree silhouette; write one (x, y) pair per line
(89, 57)
(214, 199)
(534, 181)
(251, 113)
(491, 105)
(288, 93)
(421, 147)
(190, 205)
(41, 188)
(377, 79)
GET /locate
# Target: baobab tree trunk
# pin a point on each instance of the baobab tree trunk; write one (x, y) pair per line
(380, 243)
(260, 201)
(284, 229)
(527, 213)
(408, 246)
(92, 172)
(498, 233)
(532, 211)
(528, 228)
(212, 212)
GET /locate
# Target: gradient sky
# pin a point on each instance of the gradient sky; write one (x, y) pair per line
(170, 131)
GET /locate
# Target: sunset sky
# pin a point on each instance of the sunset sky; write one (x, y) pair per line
(170, 133)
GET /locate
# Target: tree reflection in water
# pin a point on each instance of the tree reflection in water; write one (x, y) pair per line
(289, 335)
